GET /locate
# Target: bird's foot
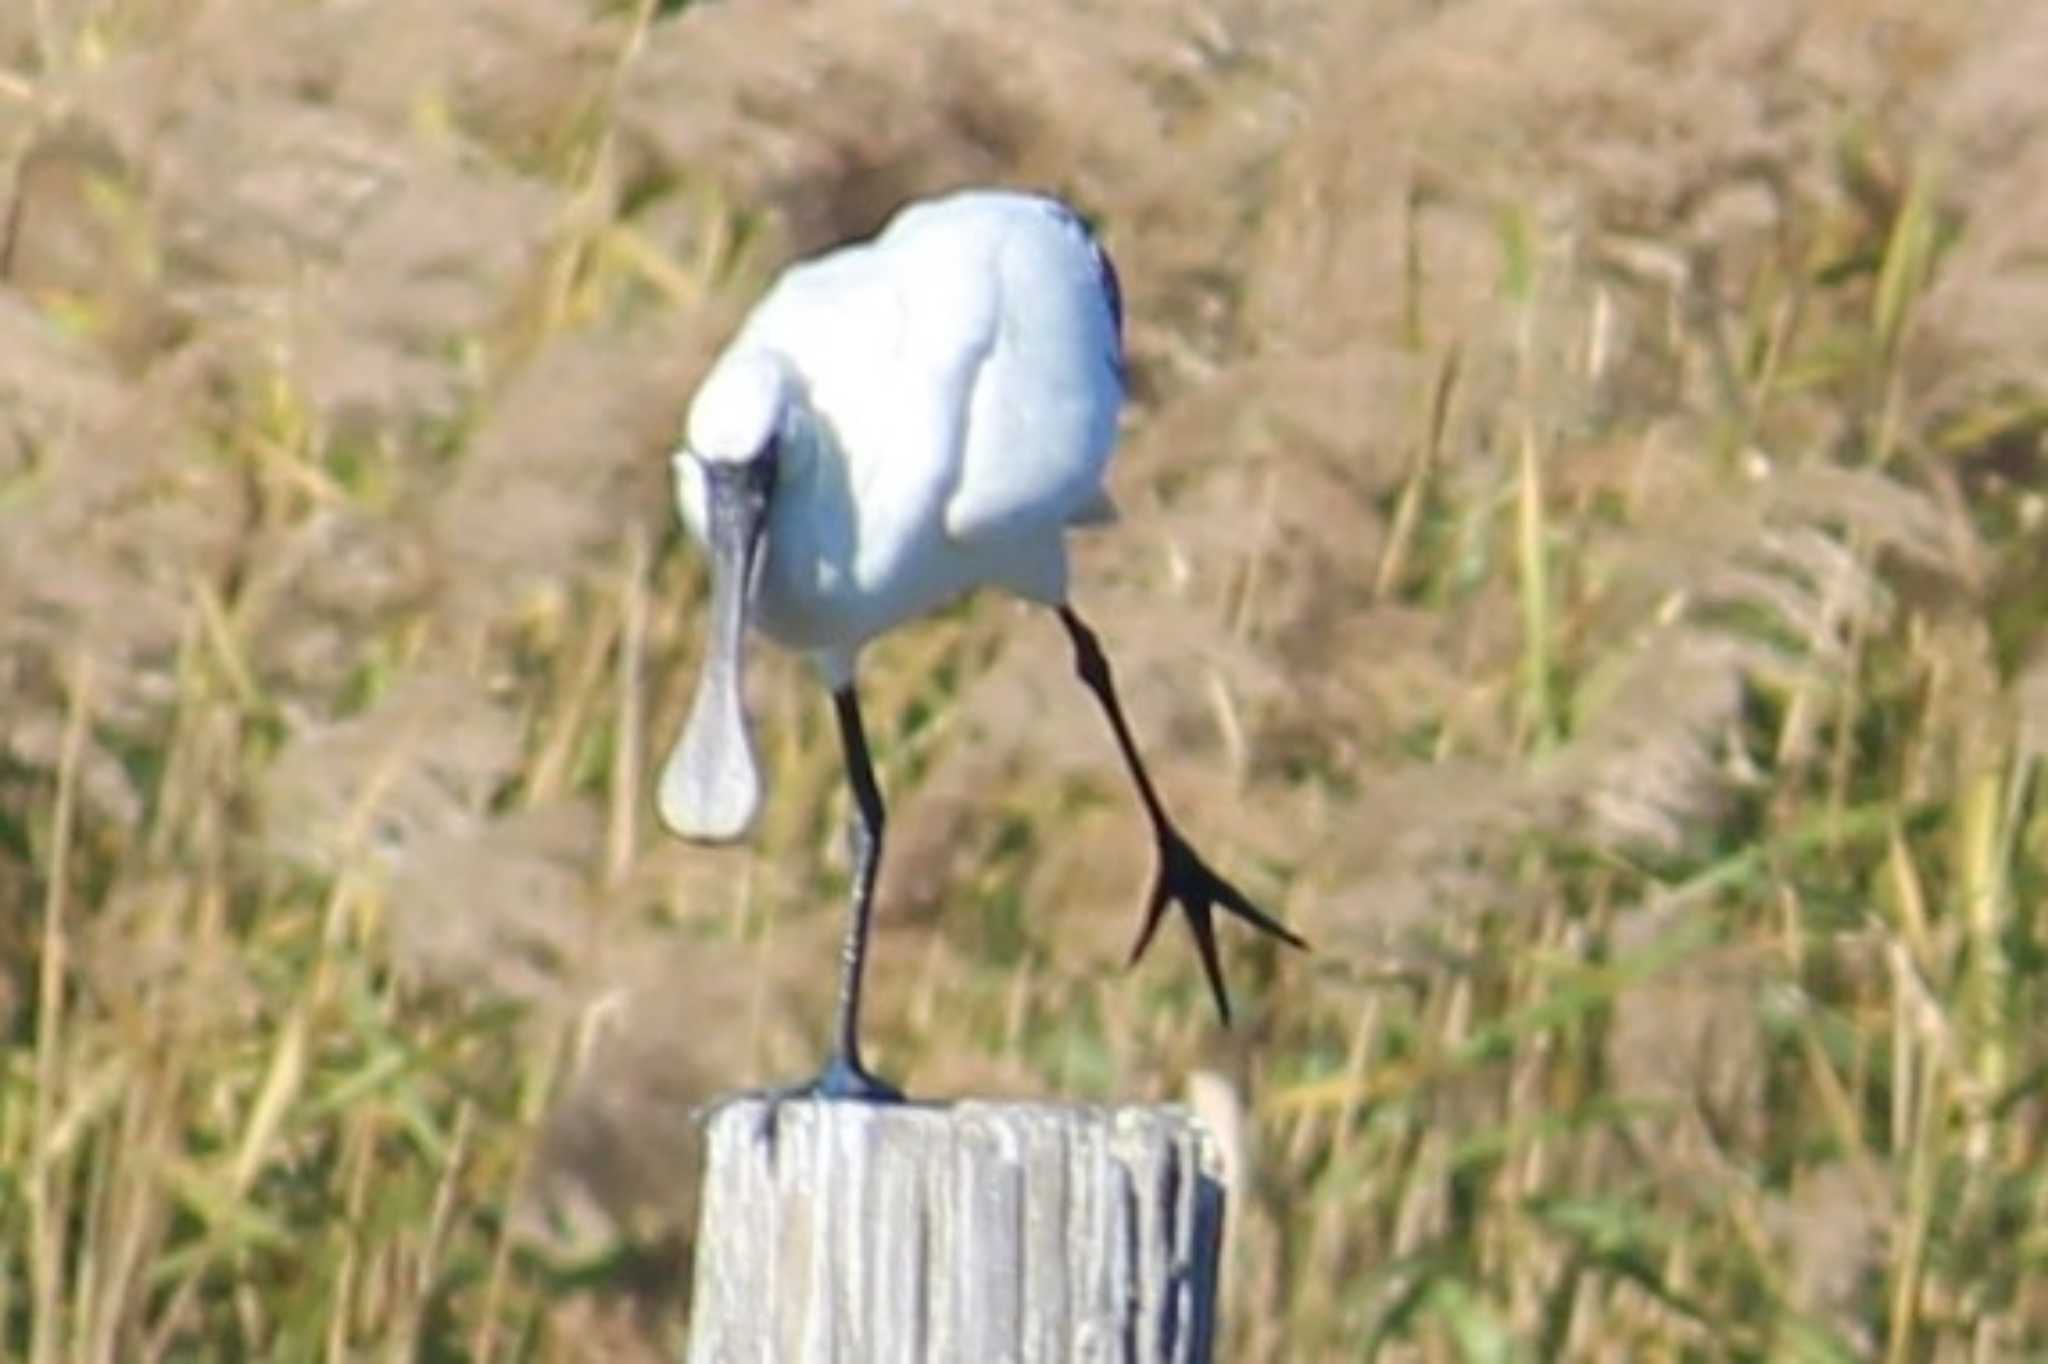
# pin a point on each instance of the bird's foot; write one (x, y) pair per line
(843, 1080)
(1186, 880)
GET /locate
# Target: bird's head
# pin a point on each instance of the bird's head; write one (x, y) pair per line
(739, 407)
(732, 448)
(725, 483)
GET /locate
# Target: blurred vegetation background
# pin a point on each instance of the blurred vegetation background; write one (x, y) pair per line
(1583, 563)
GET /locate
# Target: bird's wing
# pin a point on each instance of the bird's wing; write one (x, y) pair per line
(889, 338)
(968, 362)
(1041, 416)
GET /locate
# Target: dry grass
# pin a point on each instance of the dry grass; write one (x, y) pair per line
(1582, 562)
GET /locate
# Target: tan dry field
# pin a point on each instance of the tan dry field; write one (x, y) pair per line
(1583, 563)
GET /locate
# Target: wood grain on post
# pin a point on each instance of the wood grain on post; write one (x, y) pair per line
(986, 1232)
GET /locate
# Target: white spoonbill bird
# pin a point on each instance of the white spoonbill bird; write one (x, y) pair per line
(900, 421)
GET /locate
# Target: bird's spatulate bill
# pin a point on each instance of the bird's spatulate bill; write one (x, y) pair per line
(711, 786)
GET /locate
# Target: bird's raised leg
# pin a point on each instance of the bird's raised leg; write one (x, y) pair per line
(844, 1077)
(1184, 878)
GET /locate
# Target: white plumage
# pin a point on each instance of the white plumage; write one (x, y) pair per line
(949, 393)
(897, 422)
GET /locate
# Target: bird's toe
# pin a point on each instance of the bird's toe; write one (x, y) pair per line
(846, 1079)
(1186, 880)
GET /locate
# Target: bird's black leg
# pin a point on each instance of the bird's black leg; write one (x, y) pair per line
(1184, 878)
(844, 1077)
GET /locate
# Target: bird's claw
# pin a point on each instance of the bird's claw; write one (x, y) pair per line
(1185, 879)
(843, 1080)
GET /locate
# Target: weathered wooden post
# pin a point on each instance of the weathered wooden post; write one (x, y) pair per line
(996, 1233)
